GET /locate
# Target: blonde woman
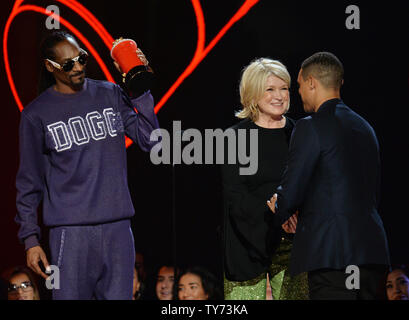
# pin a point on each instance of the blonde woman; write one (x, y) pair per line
(256, 253)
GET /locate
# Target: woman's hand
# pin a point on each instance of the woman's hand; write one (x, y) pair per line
(290, 225)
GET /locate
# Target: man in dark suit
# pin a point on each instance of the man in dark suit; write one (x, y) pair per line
(332, 178)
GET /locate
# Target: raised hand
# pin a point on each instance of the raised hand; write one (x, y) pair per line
(141, 56)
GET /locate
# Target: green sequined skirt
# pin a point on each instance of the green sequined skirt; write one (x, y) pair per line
(283, 286)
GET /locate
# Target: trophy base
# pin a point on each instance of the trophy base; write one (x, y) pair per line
(138, 80)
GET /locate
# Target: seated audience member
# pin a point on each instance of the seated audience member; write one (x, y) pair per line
(22, 285)
(140, 265)
(198, 284)
(138, 285)
(165, 282)
(397, 283)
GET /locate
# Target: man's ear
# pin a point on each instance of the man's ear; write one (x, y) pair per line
(312, 82)
(48, 66)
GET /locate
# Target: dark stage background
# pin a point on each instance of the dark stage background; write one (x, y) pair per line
(375, 59)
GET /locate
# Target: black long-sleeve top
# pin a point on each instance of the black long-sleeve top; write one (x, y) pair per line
(250, 235)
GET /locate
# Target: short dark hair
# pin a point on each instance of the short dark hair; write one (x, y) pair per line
(404, 268)
(325, 67)
(209, 282)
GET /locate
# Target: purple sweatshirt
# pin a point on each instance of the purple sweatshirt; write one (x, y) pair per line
(73, 156)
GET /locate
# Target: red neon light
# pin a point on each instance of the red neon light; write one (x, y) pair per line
(81, 11)
(199, 54)
(91, 19)
(202, 52)
(69, 26)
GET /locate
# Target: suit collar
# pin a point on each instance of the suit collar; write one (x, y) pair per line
(330, 102)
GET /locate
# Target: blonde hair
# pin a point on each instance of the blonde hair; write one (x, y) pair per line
(253, 84)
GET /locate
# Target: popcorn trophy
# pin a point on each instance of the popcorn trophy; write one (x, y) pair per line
(137, 75)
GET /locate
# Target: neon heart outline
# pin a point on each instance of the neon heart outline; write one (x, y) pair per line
(200, 52)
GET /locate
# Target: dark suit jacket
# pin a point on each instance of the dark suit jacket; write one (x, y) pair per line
(333, 178)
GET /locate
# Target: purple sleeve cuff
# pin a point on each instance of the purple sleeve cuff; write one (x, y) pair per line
(148, 121)
(144, 103)
(30, 242)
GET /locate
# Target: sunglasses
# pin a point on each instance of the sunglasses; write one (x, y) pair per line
(67, 66)
(25, 286)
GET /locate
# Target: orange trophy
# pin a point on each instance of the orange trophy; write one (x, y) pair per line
(137, 75)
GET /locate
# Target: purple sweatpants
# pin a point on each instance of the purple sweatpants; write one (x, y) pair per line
(95, 262)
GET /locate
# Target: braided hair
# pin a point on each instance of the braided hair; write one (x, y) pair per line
(47, 52)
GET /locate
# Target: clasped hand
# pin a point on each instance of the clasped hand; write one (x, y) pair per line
(290, 225)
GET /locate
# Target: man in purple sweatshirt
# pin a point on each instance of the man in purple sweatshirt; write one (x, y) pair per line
(73, 159)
